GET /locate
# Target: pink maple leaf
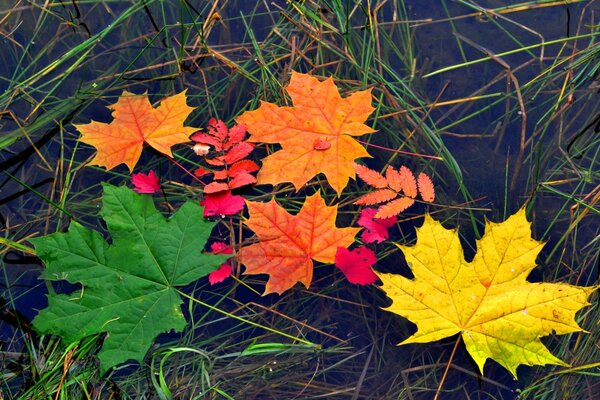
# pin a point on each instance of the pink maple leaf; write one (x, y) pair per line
(222, 203)
(224, 271)
(376, 230)
(143, 183)
(356, 264)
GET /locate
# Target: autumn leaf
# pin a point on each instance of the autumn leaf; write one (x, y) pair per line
(136, 122)
(488, 301)
(376, 230)
(143, 183)
(289, 243)
(229, 150)
(221, 203)
(398, 189)
(315, 134)
(356, 264)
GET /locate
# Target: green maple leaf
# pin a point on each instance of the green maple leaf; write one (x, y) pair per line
(128, 286)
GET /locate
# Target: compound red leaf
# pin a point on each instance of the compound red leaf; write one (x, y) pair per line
(238, 152)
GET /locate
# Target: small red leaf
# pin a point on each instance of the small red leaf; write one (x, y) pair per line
(215, 187)
(220, 175)
(321, 144)
(238, 152)
(200, 172)
(220, 274)
(222, 203)
(376, 230)
(426, 188)
(241, 179)
(242, 166)
(143, 183)
(220, 248)
(356, 264)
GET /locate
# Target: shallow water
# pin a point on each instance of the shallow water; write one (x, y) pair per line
(486, 146)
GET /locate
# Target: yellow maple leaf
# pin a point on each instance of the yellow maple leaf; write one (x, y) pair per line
(315, 134)
(136, 122)
(499, 314)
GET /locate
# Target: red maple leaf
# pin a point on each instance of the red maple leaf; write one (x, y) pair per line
(356, 264)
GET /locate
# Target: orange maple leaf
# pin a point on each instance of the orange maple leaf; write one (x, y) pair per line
(289, 243)
(315, 134)
(136, 122)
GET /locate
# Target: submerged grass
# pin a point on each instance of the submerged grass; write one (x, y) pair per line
(496, 122)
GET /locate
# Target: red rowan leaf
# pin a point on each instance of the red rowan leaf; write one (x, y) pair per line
(238, 152)
(356, 264)
(200, 172)
(241, 179)
(205, 138)
(242, 166)
(236, 135)
(376, 197)
(402, 181)
(215, 187)
(394, 207)
(426, 188)
(220, 175)
(371, 177)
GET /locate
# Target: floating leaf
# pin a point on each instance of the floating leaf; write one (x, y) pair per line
(319, 115)
(488, 301)
(128, 286)
(136, 122)
(426, 188)
(289, 243)
(356, 264)
(143, 183)
(222, 203)
(376, 230)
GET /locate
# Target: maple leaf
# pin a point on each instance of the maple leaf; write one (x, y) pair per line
(499, 314)
(356, 264)
(398, 189)
(145, 183)
(315, 134)
(136, 122)
(289, 243)
(128, 285)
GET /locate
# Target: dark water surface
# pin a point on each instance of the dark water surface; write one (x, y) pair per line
(486, 146)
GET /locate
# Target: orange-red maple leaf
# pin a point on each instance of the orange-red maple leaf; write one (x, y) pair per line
(315, 134)
(136, 122)
(289, 243)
